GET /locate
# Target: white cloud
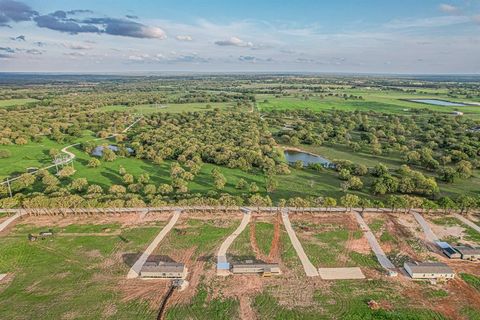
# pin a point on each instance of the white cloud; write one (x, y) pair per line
(476, 18)
(448, 8)
(184, 38)
(432, 22)
(234, 41)
(77, 46)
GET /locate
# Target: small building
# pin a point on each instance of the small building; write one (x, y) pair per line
(468, 252)
(48, 233)
(448, 250)
(166, 270)
(249, 267)
(429, 270)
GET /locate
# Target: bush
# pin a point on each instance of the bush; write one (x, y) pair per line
(5, 154)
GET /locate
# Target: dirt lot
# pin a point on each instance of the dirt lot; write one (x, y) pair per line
(328, 238)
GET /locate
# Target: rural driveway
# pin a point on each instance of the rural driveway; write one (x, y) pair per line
(429, 235)
(309, 268)
(222, 252)
(135, 270)
(5, 223)
(469, 223)
(381, 256)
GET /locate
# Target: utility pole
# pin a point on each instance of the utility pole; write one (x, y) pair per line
(9, 188)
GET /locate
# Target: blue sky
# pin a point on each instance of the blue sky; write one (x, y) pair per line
(406, 36)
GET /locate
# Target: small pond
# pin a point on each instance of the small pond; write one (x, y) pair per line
(437, 102)
(292, 156)
(98, 151)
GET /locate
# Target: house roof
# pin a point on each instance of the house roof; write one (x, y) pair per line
(255, 265)
(429, 267)
(468, 250)
(163, 267)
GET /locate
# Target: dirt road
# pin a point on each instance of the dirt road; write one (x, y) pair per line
(135, 270)
(309, 268)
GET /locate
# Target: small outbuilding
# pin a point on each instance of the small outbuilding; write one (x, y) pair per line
(448, 250)
(249, 267)
(429, 270)
(166, 270)
(468, 252)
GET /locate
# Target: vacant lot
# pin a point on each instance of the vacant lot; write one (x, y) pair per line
(43, 276)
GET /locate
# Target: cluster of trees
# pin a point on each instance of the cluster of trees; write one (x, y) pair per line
(231, 139)
(435, 142)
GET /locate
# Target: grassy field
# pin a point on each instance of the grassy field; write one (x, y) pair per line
(47, 273)
(171, 108)
(15, 102)
(44, 276)
(32, 154)
(373, 100)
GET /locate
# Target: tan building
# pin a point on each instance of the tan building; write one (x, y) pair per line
(265, 269)
(429, 270)
(468, 252)
(167, 270)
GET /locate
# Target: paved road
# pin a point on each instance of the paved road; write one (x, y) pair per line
(429, 235)
(309, 268)
(381, 256)
(222, 252)
(467, 222)
(5, 223)
(135, 270)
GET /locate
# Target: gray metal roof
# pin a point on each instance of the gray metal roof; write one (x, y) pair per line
(163, 267)
(468, 250)
(429, 267)
(255, 265)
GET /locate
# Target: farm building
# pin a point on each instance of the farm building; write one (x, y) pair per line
(429, 270)
(265, 269)
(468, 252)
(168, 270)
(448, 250)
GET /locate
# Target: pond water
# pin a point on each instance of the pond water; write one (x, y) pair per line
(307, 158)
(98, 151)
(442, 103)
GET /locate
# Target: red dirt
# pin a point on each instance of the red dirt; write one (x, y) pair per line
(274, 255)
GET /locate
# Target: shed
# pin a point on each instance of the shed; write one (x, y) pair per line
(469, 252)
(167, 270)
(448, 250)
(266, 269)
(429, 270)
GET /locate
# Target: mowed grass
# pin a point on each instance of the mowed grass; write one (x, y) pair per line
(15, 102)
(373, 100)
(170, 107)
(325, 244)
(204, 236)
(67, 276)
(347, 299)
(32, 154)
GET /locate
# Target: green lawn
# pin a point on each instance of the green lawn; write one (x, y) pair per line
(32, 154)
(69, 276)
(15, 102)
(374, 100)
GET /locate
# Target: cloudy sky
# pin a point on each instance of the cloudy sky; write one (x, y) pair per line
(371, 36)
